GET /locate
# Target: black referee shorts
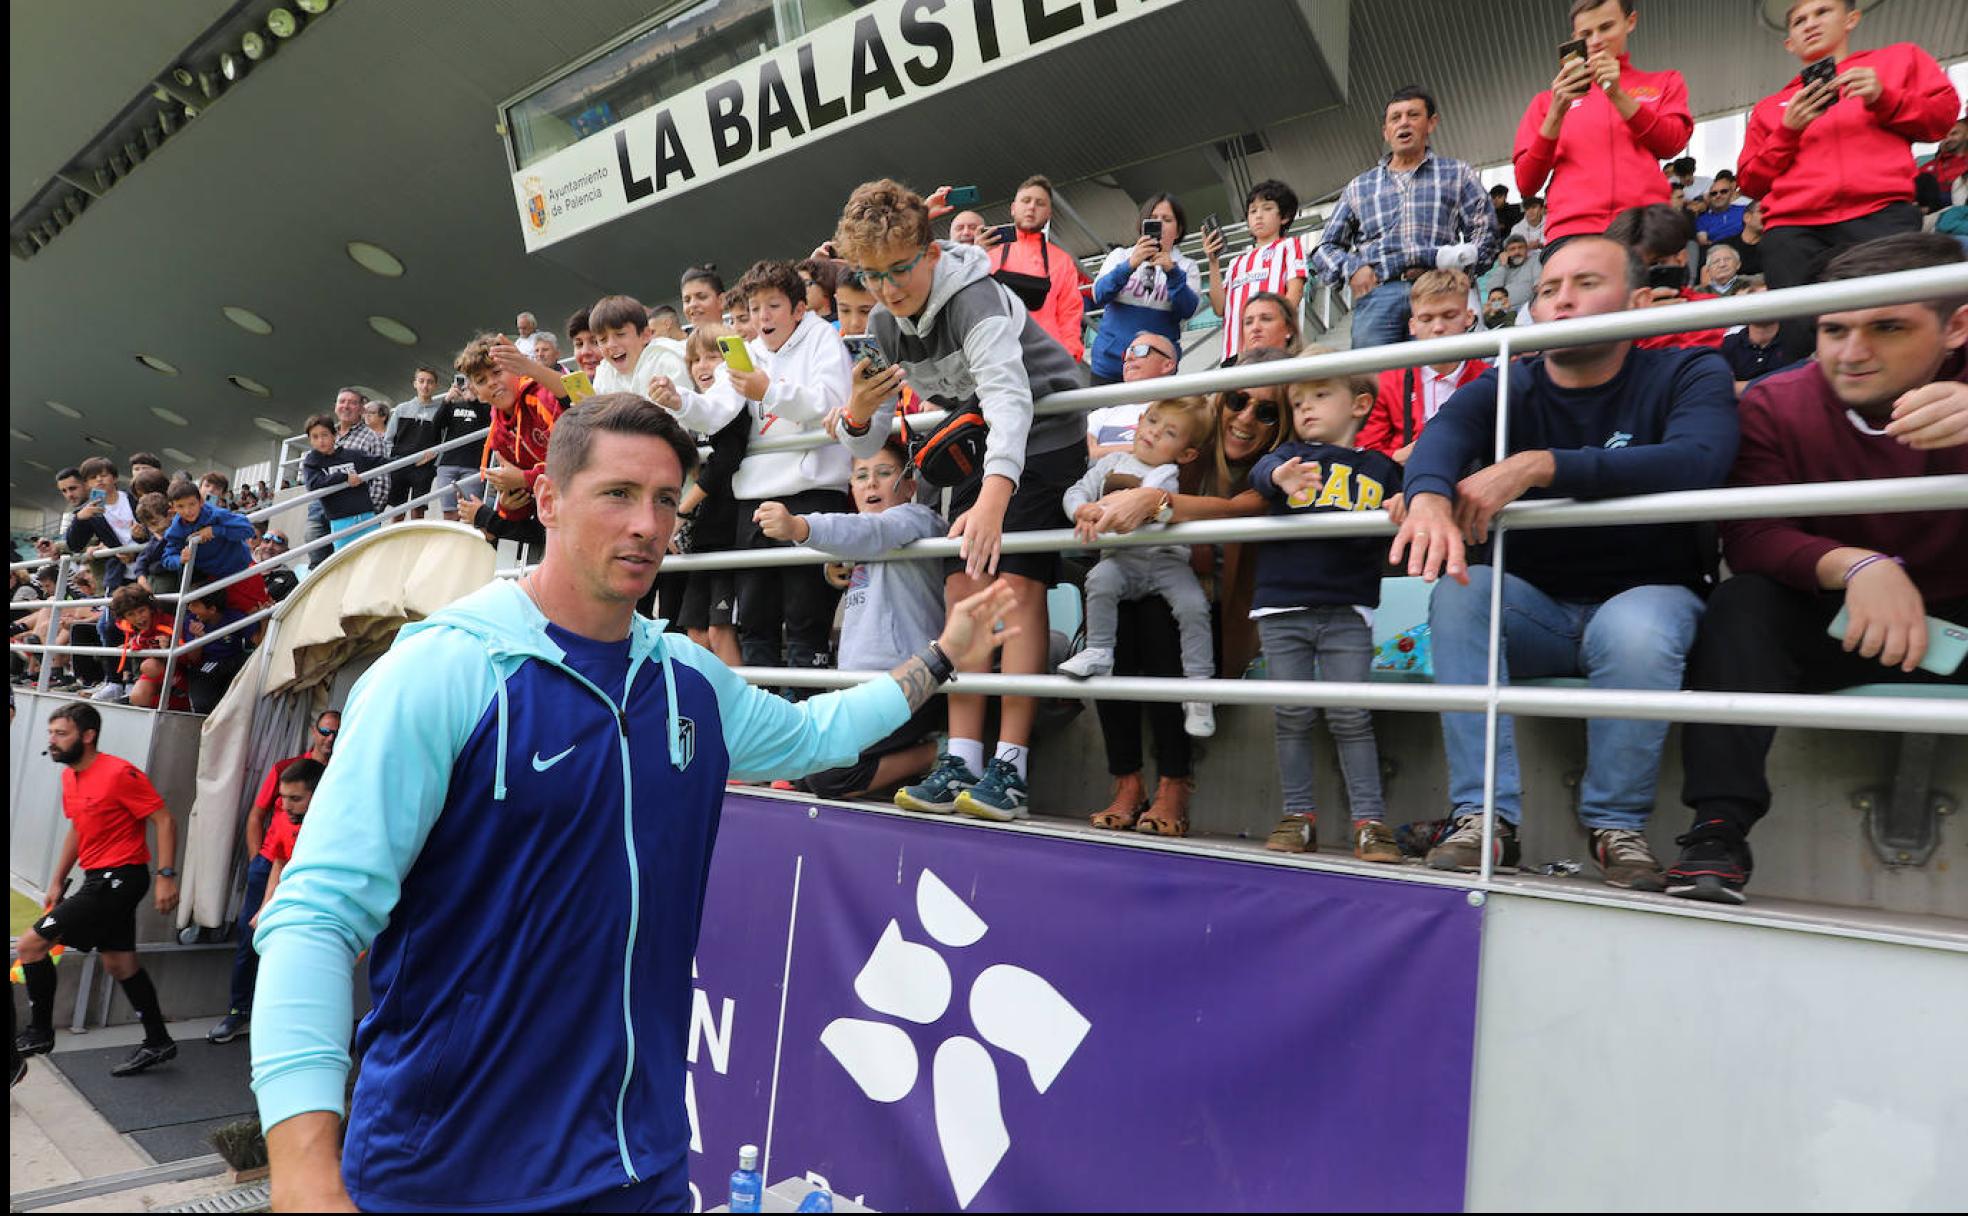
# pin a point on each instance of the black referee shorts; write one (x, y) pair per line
(102, 914)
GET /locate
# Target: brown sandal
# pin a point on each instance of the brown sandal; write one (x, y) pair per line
(1169, 816)
(1125, 807)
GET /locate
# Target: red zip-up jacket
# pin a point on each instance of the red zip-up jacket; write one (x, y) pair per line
(1601, 164)
(1856, 158)
(520, 438)
(1381, 430)
(1063, 312)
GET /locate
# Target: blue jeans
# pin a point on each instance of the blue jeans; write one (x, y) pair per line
(245, 959)
(1327, 642)
(1637, 639)
(1380, 318)
(352, 525)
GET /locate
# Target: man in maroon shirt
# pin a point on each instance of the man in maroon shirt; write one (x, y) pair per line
(108, 802)
(265, 829)
(1885, 398)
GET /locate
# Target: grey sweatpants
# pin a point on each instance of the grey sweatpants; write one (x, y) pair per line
(1132, 574)
(1325, 642)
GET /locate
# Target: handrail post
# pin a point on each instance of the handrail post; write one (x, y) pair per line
(55, 615)
(1494, 684)
(177, 630)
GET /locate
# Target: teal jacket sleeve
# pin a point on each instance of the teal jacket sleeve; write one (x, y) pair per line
(370, 817)
(768, 736)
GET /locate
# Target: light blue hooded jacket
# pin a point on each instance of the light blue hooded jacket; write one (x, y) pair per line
(527, 855)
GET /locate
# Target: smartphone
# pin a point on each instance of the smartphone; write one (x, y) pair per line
(863, 346)
(1152, 229)
(963, 196)
(736, 357)
(1825, 69)
(1568, 51)
(1211, 224)
(1947, 642)
(1667, 278)
(459, 379)
(98, 495)
(577, 386)
(1006, 233)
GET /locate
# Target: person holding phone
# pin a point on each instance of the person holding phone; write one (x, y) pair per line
(1149, 286)
(1592, 143)
(1041, 274)
(1830, 155)
(1885, 397)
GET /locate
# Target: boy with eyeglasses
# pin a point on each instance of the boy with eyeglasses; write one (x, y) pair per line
(964, 341)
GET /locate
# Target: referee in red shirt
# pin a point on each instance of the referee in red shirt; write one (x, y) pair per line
(107, 800)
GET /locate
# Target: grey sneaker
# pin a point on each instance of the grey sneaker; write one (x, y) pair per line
(1462, 848)
(1626, 861)
(1089, 662)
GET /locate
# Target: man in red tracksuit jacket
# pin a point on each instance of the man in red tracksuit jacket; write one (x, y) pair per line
(1599, 133)
(1833, 163)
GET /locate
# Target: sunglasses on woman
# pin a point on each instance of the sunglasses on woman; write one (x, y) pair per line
(1238, 401)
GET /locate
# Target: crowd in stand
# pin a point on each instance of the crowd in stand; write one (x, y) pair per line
(885, 319)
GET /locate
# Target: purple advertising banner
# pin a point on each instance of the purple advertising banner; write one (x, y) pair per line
(937, 1017)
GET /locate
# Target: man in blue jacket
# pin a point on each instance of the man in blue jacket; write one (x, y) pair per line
(536, 762)
(1617, 605)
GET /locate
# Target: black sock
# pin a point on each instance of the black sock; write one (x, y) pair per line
(143, 999)
(40, 979)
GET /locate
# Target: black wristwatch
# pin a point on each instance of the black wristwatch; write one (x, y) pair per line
(941, 668)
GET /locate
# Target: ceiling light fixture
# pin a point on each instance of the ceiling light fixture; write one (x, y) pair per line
(184, 77)
(232, 66)
(157, 365)
(208, 84)
(17, 433)
(170, 416)
(283, 23)
(32, 463)
(66, 411)
(247, 319)
(255, 44)
(167, 119)
(105, 444)
(396, 331)
(313, 8)
(273, 426)
(375, 259)
(179, 456)
(250, 385)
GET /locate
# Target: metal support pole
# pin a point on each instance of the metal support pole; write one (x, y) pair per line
(55, 615)
(1493, 683)
(177, 630)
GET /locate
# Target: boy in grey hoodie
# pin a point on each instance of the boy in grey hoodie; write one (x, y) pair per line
(892, 609)
(962, 340)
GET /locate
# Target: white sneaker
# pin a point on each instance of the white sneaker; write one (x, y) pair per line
(1199, 718)
(109, 692)
(1092, 661)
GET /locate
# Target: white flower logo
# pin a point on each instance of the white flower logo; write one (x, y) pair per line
(1011, 1008)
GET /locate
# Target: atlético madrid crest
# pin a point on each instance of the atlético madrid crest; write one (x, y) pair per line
(536, 204)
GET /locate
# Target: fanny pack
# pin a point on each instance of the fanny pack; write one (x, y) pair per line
(1031, 289)
(954, 452)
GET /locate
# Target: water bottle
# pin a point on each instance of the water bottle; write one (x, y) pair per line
(746, 1185)
(820, 1198)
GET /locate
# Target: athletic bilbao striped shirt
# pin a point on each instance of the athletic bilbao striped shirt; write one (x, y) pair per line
(1266, 268)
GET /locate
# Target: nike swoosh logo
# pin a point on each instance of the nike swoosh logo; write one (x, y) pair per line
(541, 766)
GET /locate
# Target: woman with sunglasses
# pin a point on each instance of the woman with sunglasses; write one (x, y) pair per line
(1149, 286)
(1216, 485)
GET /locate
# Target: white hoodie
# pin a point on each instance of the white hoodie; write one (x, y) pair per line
(809, 377)
(661, 357)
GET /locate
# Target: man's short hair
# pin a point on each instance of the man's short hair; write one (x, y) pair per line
(477, 355)
(1901, 251)
(1516, 238)
(1275, 191)
(425, 369)
(1439, 283)
(1685, 164)
(128, 598)
(182, 489)
(1657, 230)
(96, 466)
(149, 458)
(1720, 174)
(618, 414)
(83, 715)
(1636, 267)
(323, 421)
(1499, 290)
(1533, 200)
(305, 772)
(773, 276)
(1586, 6)
(708, 273)
(1499, 188)
(578, 323)
(1038, 181)
(1413, 92)
(69, 472)
(662, 310)
(881, 213)
(617, 312)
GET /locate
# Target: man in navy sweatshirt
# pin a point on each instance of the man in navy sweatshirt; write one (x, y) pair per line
(1615, 604)
(1886, 397)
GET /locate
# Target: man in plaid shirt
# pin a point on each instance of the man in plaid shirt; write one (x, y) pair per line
(354, 433)
(1412, 213)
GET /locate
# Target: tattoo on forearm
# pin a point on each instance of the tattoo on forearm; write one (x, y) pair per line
(918, 685)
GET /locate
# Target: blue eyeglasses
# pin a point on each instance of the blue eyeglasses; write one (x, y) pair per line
(897, 273)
